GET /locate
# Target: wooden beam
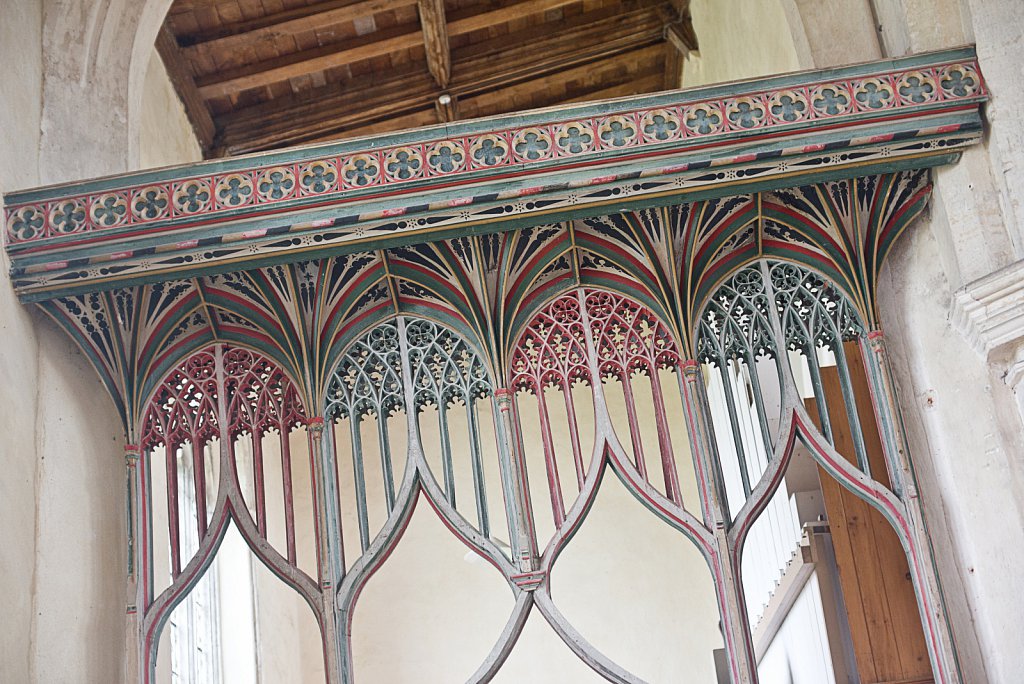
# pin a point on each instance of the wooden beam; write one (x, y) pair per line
(561, 49)
(267, 72)
(681, 35)
(479, 67)
(181, 78)
(266, 29)
(577, 83)
(673, 67)
(435, 39)
(312, 120)
(632, 84)
(447, 108)
(680, 40)
(336, 112)
(410, 121)
(635, 85)
(475, 72)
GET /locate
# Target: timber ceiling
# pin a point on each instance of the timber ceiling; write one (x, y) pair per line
(262, 74)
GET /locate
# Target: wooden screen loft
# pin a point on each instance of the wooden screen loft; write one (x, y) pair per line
(465, 267)
(259, 75)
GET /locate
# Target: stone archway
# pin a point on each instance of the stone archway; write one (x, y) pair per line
(95, 57)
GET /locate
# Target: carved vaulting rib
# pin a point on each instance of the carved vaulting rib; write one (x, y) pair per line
(336, 323)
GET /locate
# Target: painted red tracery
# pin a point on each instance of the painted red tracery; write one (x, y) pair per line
(185, 411)
(627, 339)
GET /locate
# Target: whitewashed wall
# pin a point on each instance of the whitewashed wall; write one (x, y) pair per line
(61, 453)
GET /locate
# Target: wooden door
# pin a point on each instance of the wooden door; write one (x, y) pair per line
(885, 625)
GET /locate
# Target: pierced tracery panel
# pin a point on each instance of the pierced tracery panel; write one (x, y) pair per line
(634, 351)
(451, 436)
(551, 359)
(817, 321)
(265, 410)
(778, 342)
(767, 318)
(451, 389)
(180, 422)
(639, 406)
(737, 343)
(366, 406)
(204, 435)
(631, 421)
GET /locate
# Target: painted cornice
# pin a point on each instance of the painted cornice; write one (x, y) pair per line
(493, 174)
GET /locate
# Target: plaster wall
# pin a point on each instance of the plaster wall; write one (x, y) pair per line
(739, 40)
(20, 36)
(62, 489)
(969, 461)
(165, 134)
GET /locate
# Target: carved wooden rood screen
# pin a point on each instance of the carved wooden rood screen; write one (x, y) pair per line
(679, 290)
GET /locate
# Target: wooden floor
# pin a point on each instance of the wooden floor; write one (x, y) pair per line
(261, 74)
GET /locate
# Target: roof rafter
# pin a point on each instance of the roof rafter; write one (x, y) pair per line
(264, 73)
(291, 21)
(590, 38)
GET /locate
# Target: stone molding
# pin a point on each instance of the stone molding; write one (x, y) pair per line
(989, 313)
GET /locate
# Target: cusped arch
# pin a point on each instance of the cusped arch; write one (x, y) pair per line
(589, 335)
(405, 362)
(216, 393)
(406, 365)
(794, 314)
(582, 336)
(770, 309)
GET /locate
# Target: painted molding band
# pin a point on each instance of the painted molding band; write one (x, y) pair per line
(493, 174)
